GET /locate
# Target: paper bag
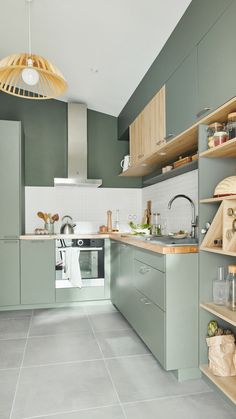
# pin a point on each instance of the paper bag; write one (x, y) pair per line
(221, 355)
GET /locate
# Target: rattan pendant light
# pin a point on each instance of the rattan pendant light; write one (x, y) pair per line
(30, 76)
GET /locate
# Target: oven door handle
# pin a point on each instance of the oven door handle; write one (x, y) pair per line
(88, 249)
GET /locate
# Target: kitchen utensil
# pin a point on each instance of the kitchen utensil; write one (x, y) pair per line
(109, 221)
(125, 163)
(68, 225)
(41, 215)
(55, 217)
(226, 187)
(149, 212)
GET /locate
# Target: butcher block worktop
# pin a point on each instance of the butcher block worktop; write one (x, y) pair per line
(121, 237)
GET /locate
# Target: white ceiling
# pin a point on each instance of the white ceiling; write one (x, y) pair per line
(120, 38)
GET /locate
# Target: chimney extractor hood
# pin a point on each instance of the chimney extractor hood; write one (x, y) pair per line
(77, 149)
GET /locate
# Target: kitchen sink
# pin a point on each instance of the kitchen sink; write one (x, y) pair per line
(170, 241)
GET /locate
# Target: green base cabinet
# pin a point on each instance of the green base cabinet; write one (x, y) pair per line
(158, 294)
(10, 273)
(37, 271)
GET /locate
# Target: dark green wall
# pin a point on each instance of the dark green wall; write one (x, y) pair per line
(195, 23)
(105, 152)
(45, 129)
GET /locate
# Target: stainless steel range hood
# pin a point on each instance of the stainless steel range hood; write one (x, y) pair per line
(77, 149)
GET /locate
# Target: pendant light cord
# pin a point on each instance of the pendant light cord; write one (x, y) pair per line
(29, 26)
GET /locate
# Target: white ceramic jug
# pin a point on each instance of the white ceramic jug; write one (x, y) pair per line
(125, 163)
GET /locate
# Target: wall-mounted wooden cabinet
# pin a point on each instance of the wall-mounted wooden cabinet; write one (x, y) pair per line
(147, 132)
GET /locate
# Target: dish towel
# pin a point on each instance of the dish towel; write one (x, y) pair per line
(74, 267)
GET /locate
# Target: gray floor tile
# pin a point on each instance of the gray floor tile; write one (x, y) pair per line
(14, 328)
(60, 321)
(61, 348)
(8, 380)
(120, 343)
(62, 388)
(108, 321)
(114, 412)
(141, 378)
(100, 308)
(204, 406)
(11, 353)
(15, 314)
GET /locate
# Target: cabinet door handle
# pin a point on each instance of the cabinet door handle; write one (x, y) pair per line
(202, 112)
(169, 136)
(145, 301)
(124, 246)
(140, 156)
(144, 270)
(160, 142)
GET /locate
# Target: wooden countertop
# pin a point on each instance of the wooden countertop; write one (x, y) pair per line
(121, 237)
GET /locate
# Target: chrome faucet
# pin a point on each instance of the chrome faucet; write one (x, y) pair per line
(194, 218)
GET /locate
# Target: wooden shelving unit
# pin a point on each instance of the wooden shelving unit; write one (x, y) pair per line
(226, 384)
(225, 150)
(220, 311)
(216, 200)
(218, 250)
(172, 173)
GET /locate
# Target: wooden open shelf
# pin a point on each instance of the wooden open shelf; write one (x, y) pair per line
(226, 150)
(226, 384)
(215, 200)
(218, 250)
(220, 311)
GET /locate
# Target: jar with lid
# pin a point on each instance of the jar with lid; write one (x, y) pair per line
(231, 287)
(231, 125)
(220, 137)
(211, 130)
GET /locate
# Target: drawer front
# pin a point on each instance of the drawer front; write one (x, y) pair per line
(150, 325)
(150, 282)
(155, 260)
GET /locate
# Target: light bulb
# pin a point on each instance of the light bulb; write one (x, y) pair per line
(29, 74)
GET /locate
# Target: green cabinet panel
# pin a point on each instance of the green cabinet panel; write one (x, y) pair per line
(115, 270)
(11, 190)
(150, 282)
(217, 62)
(37, 271)
(155, 260)
(10, 272)
(181, 97)
(66, 295)
(149, 322)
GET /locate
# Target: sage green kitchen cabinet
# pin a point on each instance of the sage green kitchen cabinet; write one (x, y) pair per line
(11, 180)
(10, 272)
(115, 271)
(37, 271)
(181, 97)
(217, 63)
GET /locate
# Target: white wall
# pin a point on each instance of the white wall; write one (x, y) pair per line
(88, 206)
(179, 217)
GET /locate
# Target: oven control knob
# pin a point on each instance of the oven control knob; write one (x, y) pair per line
(80, 242)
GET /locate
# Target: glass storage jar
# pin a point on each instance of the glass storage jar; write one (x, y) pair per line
(231, 287)
(220, 137)
(231, 125)
(220, 287)
(211, 130)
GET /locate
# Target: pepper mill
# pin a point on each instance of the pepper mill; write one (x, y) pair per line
(109, 221)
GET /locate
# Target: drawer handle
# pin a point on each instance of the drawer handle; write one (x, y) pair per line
(145, 301)
(144, 270)
(124, 246)
(140, 156)
(169, 136)
(202, 112)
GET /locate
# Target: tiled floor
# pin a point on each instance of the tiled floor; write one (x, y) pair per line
(87, 363)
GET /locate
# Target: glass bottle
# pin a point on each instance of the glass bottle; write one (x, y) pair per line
(220, 287)
(156, 227)
(231, 288)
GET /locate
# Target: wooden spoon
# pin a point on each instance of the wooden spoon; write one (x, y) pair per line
(40, 214)
(55, 217)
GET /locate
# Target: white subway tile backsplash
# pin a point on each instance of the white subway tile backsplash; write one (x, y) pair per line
(89, 206)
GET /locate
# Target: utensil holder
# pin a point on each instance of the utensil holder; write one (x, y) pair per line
(49, 227)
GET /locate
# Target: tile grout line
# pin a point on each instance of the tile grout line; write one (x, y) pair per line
(72, 411)
(20, 368)
(106, 367)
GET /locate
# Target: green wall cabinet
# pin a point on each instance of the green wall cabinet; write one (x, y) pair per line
(37, 271)
(11, 189)
(181, 97)
(217, 63)
(10, 272)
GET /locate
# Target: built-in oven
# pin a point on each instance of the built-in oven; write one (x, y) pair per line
(87, 262)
